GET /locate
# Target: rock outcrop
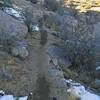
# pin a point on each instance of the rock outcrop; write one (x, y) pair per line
(11, 30)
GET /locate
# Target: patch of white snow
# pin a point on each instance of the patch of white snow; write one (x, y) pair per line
(79, 91)
(3, 96)
(16, 13)
(23, 98)
(35, 28)
(7, 97)
(98, 68)
(90, 96)
(12, 11)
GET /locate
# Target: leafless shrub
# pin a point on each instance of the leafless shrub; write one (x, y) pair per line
(81, 53)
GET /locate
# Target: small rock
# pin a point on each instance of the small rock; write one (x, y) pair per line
(20, 52)
(55, 61)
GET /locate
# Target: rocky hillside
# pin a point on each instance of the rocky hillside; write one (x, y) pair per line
(49, 49)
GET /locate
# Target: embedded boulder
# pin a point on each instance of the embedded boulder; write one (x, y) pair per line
(12, 33)
(11, 29)
(59, 56)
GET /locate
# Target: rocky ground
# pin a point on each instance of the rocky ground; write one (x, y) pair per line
(34, 61)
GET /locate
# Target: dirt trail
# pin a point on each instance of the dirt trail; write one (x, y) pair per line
(42, 90)
(45, 85)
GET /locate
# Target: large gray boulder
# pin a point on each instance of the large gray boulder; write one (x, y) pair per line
(11, 31)
(58, 56)
(20, 51)
(11, 28)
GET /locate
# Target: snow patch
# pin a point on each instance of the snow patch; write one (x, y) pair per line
(35, 28)
(98, 68)
(14, 13)
(7, 97)
(90, 96)
(3, 96)
(79, 91)
(23, 98)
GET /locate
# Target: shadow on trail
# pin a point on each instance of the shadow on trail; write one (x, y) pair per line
(44, 37)
(42, 89)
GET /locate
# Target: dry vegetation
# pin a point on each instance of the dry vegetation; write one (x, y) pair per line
(84, 5)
